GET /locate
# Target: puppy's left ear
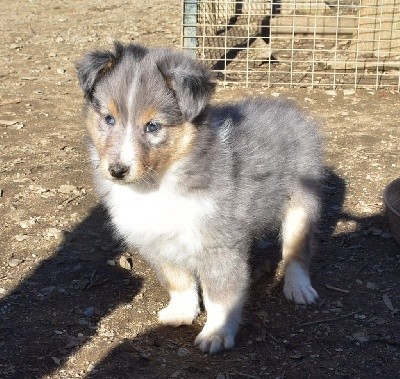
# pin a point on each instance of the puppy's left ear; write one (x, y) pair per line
(189, 80)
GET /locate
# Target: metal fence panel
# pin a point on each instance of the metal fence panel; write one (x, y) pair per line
(307, 43)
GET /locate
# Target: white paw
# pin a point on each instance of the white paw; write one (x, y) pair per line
(297, 287)
(181, 310)
(220, 329)
(213, 342)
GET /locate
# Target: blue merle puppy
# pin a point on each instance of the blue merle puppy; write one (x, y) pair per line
(190, 185)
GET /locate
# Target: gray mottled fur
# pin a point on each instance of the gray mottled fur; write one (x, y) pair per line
(254, 159)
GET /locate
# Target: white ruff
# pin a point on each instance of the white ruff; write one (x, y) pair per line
(162, 223)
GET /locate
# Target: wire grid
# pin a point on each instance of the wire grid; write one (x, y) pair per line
(305, 43)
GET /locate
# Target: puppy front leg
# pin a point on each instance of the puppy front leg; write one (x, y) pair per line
(183, 306)
(224, 287)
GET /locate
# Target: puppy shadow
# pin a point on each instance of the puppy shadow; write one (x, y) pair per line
(54, 310)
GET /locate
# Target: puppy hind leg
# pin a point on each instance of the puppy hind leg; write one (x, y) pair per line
(183, 306)
(297, 240)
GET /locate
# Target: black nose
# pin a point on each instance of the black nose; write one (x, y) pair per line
(118, 170)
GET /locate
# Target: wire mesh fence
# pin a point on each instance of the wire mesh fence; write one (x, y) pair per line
(308, 43)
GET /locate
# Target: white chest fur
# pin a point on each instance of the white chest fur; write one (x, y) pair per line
(162, 223)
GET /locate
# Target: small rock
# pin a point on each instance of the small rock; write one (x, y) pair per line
(349, 92)
(372, 286)
(331, 92)
(82, 284)
(47, 290)
(56, 360)
(54, 232)
(360, 337)
(27, 223)
(82, 321)
(8, 122)
(89, 312)
(61, 70)
(3, 292)
(21, 237)
(67, 188)
(91, 368)
(183, 352)
(110, 262)
(24, 224)
(126, 263)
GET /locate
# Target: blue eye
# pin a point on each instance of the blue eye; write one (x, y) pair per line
(110, 120)
(152, 127)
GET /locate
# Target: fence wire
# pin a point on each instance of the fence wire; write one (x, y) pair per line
(306, 43)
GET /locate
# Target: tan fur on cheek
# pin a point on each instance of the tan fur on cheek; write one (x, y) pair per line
(182, 141)
(179, 144)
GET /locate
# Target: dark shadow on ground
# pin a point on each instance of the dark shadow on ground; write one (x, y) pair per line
(67, 294)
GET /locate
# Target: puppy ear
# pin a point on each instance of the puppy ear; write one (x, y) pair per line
(96, 65)
(189, 80)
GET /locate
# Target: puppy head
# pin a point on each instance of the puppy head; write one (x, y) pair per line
(141, 104)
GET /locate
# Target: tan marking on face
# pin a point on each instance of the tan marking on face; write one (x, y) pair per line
(105, 143)
(109, 65)
(179, 145)
(113, 109)
(147, 116)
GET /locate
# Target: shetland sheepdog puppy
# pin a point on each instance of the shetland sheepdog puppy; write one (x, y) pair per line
(190, 185)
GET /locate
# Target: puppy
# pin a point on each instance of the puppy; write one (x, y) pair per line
(190, 185)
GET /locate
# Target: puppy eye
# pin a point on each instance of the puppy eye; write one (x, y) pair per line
(110, 120)
(152, 127)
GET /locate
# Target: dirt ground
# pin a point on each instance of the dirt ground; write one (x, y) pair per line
(74, 304)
